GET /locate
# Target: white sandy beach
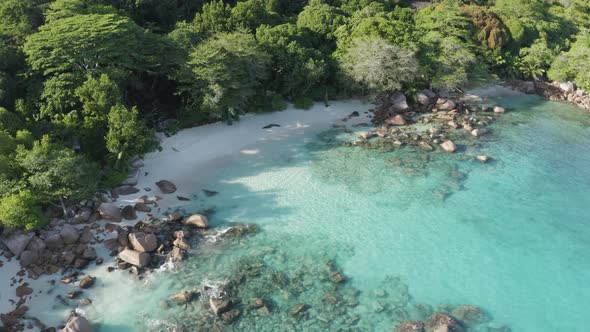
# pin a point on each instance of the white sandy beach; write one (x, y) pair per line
(186, 159)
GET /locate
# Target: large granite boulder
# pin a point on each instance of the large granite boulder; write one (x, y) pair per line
(196, 220)
(17, 243)
(166, 186)
(54, 241)
(110, 211)
(398, 102)
(128, 213)
(470, 314)
(133, 257)
(69, 234)
(28, 258)
(36, 244)
(567, 86)
(77, 324)
(424, 97)
(143, 242)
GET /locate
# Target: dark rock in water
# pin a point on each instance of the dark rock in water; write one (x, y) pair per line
(337, 277)
(441, 322)
(181, 198)
(231, 315)
(239, 231)
(8, 320)
(86, 282)
(80, 263)
(23, 290)
(166, 186)
(210, 193)
(128, 213)
(85, 301)
(410, 326)
(73, 294)
(142, 207)
(270, 126)
(219, 305)
(298, 309)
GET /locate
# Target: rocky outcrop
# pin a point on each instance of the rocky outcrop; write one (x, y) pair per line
(557, 91)
(470, 314)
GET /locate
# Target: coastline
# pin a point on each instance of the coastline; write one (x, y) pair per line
(186, 159)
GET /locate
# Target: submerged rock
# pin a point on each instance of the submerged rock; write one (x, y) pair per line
(470, 314)
(483, 159)
(499, 110)
(183, 297)
(231, 315)
(442, 323)
(410, 326)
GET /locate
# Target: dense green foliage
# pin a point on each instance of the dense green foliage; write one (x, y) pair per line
(82, 82)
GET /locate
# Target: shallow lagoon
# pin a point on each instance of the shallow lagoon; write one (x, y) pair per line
(409, 230)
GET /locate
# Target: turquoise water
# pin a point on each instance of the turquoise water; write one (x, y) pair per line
(410, 230)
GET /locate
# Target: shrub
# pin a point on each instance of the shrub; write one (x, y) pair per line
(22, 210)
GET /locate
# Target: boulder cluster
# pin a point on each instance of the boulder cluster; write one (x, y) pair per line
(431, 123)
(557, 91)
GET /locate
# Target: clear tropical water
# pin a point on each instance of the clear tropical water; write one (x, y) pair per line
(512, 236)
